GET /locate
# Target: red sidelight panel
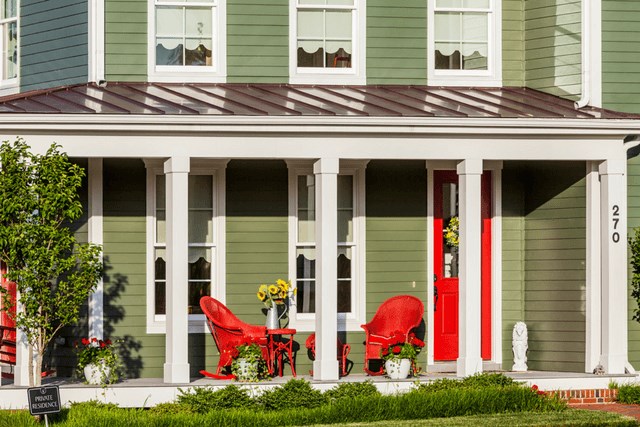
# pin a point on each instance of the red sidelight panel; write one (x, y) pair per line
(7, 353)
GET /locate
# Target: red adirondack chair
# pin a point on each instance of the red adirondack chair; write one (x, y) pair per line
(7, 326)
(401, 313)
(343, 352)
(228, 332)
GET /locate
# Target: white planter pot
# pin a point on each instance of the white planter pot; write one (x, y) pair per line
(93, 373)
(246, 370)
(398, 370)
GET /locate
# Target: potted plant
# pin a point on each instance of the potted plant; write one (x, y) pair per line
(400, 355)
(98, 361)
(273, 296)
(248, 363)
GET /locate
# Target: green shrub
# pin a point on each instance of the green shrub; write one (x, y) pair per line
(352, 391)
(629, 393)
(474, 381)
(205, 399)
(93, 404)
(293, 394)
(170, 408)
(488, 380)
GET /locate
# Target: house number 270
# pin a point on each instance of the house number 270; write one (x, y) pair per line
(616, 219)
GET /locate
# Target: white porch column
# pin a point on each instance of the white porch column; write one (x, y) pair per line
(469, 360)
(594, 278)
(176, 367)
(21, 370)
(325, 367)
(613, 216)
(96, 307)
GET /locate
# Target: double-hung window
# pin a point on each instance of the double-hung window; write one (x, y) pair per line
(205, 233)
(350, 251)
(9, 35)
(464, 42)
(187, 40)
(327, 41)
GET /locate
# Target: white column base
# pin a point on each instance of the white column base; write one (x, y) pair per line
(466, 366)
(326, 370)
(176, 373)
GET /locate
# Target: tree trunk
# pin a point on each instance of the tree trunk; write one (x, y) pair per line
(37, 371)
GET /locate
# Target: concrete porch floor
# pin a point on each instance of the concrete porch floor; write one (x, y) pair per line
(147, 392)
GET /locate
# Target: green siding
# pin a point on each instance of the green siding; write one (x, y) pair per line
(513, 266)
(633, 221)
(621, 55)
(125, 263)
(396, 42)
(126, 40)
(552, 47)
(513, 42)
(258, 41)
(554, 256)
(53, 43)
(396, 257)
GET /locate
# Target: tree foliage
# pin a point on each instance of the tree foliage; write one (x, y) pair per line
(54, 274)
(634, 245)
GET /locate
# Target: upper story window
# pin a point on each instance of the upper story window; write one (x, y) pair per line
(187, 40)
(464, 42)
(9, 35)
(327, 41)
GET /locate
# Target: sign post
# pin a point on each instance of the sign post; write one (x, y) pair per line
(43, 401)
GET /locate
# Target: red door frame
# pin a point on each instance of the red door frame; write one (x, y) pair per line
(7, 353)
(445, 320)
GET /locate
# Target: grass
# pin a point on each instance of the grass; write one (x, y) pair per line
(571, 417)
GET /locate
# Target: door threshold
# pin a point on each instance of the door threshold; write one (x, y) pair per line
(450, 366)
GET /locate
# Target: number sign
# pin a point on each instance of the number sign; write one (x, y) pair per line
(615, 236)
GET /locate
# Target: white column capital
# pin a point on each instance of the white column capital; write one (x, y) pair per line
(326, 165)
(469, 167)
(613, 167)
(178, 164)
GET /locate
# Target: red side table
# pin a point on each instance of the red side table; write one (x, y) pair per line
(278, 345)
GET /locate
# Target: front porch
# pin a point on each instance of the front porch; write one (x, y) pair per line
(148, 392)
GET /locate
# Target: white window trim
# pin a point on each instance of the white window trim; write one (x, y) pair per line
(156, 324)
(346, 321)
(356, 75)
(11, 86)
(190, 74)
(490, 77)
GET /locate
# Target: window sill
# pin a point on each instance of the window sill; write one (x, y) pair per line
(196, 326)
(327, 79)
(9, 87)
(461, 80)
(186, 76)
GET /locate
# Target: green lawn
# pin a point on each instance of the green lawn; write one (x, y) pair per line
(570, 417)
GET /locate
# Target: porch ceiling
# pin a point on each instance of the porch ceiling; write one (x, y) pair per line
(300, 100)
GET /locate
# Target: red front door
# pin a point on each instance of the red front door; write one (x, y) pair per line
(445, 254)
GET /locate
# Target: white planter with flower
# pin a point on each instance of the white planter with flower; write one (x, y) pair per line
(98, 361)
(248, 363)
(400, 355)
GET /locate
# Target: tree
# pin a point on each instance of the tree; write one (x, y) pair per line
(54, 274)
(634, 246)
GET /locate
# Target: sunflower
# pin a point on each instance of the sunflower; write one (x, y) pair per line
(273, 289)
(263, 288)
(283, 294)
(261, 295)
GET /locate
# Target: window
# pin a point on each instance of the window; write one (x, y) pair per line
(187, 40)
(206, 233)
(350, 251)
(464, 42)
(327, 41)
(9, 35)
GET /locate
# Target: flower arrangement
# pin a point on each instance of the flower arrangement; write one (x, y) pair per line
(398, 348)
(275, 293)
(248, 363)
(102, 355)
(451, 232)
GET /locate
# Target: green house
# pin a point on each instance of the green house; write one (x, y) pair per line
(334, 143)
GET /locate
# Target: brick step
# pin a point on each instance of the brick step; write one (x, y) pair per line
(585, 396)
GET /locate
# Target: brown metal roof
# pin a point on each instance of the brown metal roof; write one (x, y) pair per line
(300, 100)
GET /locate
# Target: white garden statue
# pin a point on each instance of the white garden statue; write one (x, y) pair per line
(520, 347)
